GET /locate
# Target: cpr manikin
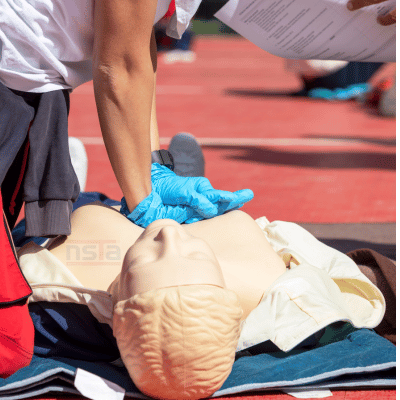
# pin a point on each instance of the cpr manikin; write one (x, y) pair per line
(176, 323)
(182, 296)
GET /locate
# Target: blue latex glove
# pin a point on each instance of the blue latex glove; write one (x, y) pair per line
(196, 193)
(152, 208)
(240, 197)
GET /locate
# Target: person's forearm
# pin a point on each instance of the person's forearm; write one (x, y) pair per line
(124, 101)
(123, 79)
(154, 137)
(155, 141)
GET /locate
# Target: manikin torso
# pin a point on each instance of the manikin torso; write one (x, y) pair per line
(235, 255)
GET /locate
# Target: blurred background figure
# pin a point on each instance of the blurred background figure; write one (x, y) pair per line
(342, 80)
(174, 50)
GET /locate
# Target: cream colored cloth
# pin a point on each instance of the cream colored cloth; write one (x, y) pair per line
(321, 286)
(52, 281)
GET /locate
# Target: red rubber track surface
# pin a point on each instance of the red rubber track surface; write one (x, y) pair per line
(315, 161)
(336, 395)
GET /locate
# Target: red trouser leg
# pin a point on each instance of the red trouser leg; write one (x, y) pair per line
(16, 327)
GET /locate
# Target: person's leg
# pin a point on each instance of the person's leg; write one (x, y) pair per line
(352, 73)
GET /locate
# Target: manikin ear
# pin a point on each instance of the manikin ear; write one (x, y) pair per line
(178, 342)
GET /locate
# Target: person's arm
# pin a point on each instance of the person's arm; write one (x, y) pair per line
(387, 19)
(123, 78)
(154, 137)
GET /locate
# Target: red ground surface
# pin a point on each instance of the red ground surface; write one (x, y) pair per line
(315, 162)
(336, 395)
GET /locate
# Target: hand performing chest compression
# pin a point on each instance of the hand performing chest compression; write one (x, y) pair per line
(183, 199)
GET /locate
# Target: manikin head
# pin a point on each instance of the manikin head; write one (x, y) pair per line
(176, 324)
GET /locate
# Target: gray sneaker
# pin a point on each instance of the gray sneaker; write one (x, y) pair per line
(187, 154)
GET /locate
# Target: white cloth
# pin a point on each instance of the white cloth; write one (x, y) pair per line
(321, 286)
(47, 45)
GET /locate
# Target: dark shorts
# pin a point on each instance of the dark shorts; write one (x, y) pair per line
(35, 165)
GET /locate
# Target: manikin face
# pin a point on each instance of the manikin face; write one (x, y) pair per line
(166, 255)
(166, 238)
(167, 318)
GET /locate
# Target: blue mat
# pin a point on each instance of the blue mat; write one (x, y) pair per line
(342, 358)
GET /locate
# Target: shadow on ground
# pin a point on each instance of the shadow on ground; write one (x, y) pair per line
(267, 93)
(336, 160)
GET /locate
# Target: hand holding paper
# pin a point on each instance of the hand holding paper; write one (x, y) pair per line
(315, 29)
(385, 19)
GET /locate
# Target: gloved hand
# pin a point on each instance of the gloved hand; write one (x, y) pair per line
(196, 193)
(238, 199)
(152, 208)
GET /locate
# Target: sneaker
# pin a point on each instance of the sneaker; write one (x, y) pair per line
(188, 155)
(79, 160)
(350, 92)
(174, 56)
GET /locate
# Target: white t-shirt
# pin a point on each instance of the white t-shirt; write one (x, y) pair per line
(47, 45)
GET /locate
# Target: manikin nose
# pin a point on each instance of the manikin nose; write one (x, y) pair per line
(171, 238)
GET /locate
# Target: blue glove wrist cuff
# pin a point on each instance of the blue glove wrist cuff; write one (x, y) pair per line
(157, 169)
(140, 209)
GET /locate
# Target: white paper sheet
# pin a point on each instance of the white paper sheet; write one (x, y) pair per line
(97, 388)
(313, 29)
(308, 394)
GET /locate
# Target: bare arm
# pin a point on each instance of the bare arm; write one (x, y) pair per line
(124, 67)
(155, 141)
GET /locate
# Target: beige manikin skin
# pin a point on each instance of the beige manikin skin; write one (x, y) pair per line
(248, 263)
(179, 294)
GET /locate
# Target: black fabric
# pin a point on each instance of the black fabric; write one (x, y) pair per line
(49, 176)
(15, 118)
(12, 186)
(382, 272)
(353, 73)
(70, 330)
